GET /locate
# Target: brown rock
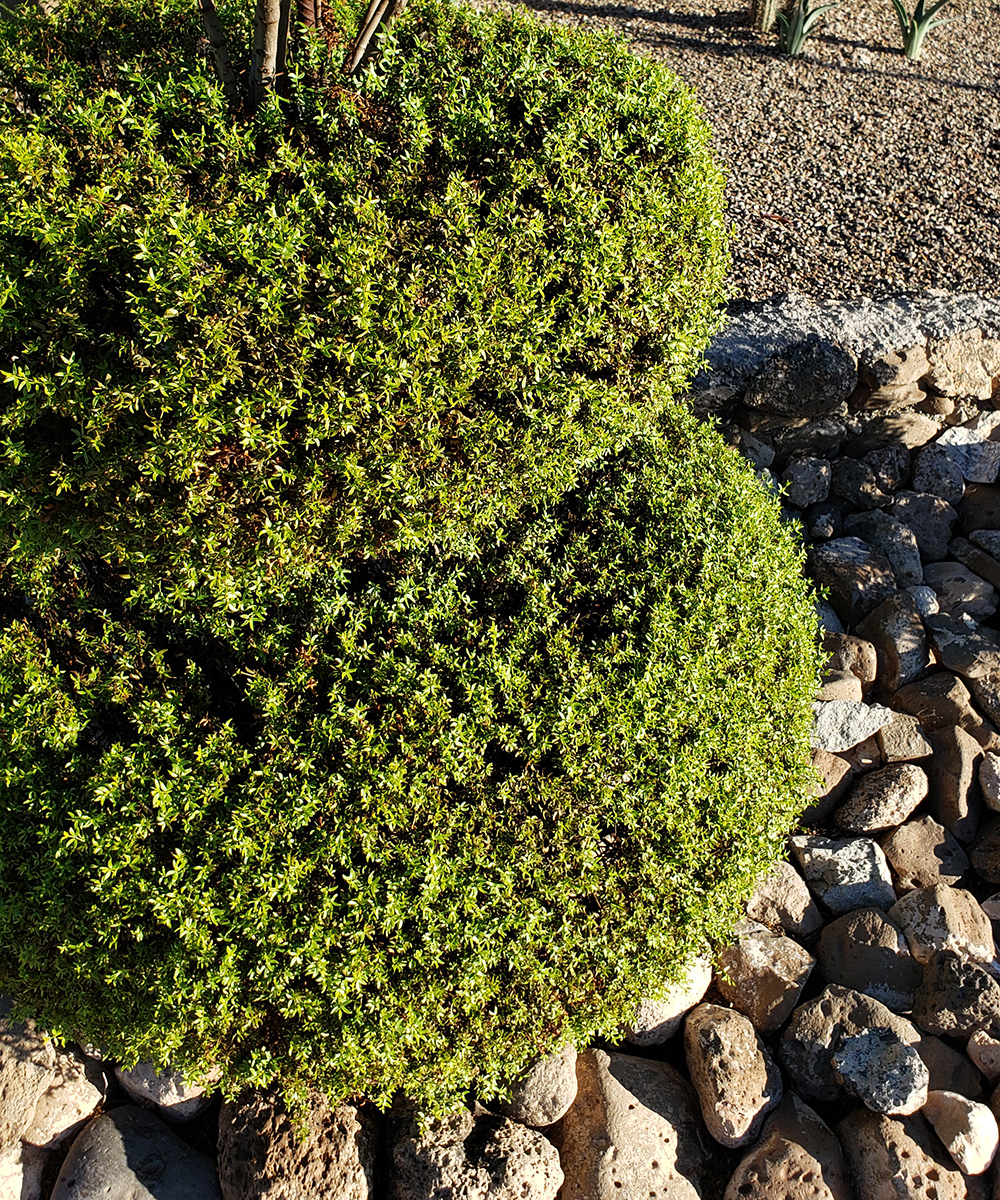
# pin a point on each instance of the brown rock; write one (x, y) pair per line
(817, 1028)
(897, 1158)
(865, 952)
(955, 997)
(835, 775)
(839, 685)
(865, 756)
(736, 1082)
(27, 1070)
(762, 976)
(938, 702)
(883, 798)
(633, 1130)
(948, 1070)
(545, 1092)
(854, 654)
(895, 369)
(922, 854)
(978, 561)
(980, 508)
(858, 577)
(903, 740)
(967, 1129)
(944, 918)
(955, 797)
(263, 1152)
(895, 629)
(797, 1158)
(985, 854)
(782, 900)
(983, 1050)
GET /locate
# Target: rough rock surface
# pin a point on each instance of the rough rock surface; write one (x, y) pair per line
(263, 1153)
(782, 898)
(797, 1158)
(883, 1072)
(470, 1156)
(658, 1018)
(867, 953)
(165, 1091)
(734, 1077)
(634, 1128)
(27, 1068)
(897, 1158)
(922, 854)
(762, 975)
(882, 799)
(944, 918)
(955, 998)
(845, 873)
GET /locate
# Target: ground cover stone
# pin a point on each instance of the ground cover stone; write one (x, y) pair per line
(736, 1081)
(845, 873)
(923, 854)
(867, 953)
(944, 918)
(634, 1128)
(762, 975)
(546, 1091)
(967, 1129)
(657, 1019)
(883, 798)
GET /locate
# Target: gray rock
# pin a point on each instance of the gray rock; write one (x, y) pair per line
(935, 472)
(824, 520)
(821, 438)
(867, 953)
(845, 874)
(955, 997)
(854, 482)
(922, 854)
(891, 466)
(931, 519)
(797, 1158)
(819, 1026)
(809, 379)
(843, 724)
(891, 538)
(545, 1092)
(963, 646)
(884, 1073)
(806, 480)
(895, 628)
(944, 918)
(67, 1103)
(633, 1130)
(781, 898)
(882, 798)
(907, 429)
(736, 1082)
(129, 1154)
(858, 577)
(165, 1091)
(989, 780)
(972, 450)
(263, 1152)
(898, 1158)
(961, 593)
(894, 368)
(988, 540)
(762, 976)
(658, 1018)
(925, 599)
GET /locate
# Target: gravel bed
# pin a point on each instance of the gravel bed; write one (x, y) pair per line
(851, 171)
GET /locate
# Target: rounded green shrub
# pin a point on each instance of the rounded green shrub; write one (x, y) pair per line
(371, 319)
(395, 679)
(433, 816)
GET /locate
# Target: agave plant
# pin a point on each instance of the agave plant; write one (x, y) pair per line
(915, 28)
(797, 26)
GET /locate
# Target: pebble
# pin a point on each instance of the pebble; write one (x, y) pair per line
(967, 1129)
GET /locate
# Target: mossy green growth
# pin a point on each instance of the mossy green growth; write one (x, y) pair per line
(363, 320)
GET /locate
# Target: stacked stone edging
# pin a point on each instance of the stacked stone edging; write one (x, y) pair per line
(846, 1046)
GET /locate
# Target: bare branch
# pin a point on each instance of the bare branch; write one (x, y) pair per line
(374, 26)
(217, 39)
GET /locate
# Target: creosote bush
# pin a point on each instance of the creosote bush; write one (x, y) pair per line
(395, 679)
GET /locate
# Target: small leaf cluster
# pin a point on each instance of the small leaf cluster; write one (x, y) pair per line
(396, 680)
